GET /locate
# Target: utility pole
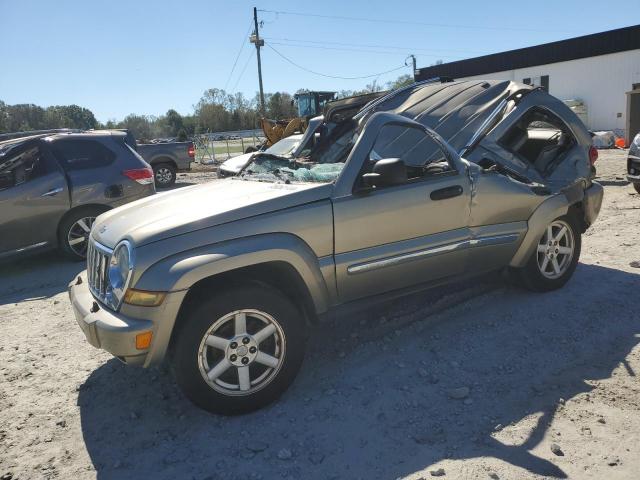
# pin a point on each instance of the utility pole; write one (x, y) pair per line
(413, 59)
(255, 38)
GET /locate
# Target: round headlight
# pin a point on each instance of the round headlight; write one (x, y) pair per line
(120, 270)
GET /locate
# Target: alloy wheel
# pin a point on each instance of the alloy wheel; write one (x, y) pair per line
(555, 250)
(163, 175)
(242, 352)
(78, 235)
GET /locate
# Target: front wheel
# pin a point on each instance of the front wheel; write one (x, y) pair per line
(240, 350)
(74, 231)
(556, 256)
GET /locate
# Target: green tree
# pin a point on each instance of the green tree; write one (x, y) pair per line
(174, 123)
(401, 81)
(139, 125)
(280, 105)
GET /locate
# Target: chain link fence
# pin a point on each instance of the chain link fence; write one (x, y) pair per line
(215, 148)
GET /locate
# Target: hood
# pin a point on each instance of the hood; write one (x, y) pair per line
(193, 208)
(235, 164)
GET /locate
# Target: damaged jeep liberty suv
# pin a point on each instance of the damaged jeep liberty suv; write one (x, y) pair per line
(421, 186)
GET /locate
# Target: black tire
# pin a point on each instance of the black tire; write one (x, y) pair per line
(637, 187)
(531, 276)
(69, 231)
(164, 175)
(186, 353)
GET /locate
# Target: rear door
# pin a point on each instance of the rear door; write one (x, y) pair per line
(33, 198)
(88, 164)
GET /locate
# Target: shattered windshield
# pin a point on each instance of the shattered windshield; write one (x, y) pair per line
(323, 164)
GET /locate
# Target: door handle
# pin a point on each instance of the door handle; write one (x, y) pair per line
(448, 192)
(53, 192)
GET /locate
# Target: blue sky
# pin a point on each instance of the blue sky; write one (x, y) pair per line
(120, 57)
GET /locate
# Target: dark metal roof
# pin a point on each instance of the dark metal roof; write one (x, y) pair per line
(603, 43)
(454, 109)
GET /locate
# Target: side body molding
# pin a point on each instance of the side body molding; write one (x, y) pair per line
(549, 210)
(181, 271)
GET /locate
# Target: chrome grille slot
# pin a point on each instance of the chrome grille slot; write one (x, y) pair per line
(98, 257)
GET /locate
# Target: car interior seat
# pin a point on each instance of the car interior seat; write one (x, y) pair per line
(549, 153)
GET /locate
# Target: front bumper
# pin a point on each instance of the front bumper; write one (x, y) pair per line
(105, 329)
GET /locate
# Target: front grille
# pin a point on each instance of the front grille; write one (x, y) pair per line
(98, 257)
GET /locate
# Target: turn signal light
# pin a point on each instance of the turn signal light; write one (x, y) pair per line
(143, 340)
(143, 298)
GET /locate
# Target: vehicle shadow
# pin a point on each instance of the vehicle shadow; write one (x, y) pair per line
(613, 183)
(373, 397)
(37, 276)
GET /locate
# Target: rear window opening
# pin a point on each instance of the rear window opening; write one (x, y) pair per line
(82, 154)
(539, 138)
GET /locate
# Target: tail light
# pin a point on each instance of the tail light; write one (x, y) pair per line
(593, 155)
(191, 151)
(144, 176)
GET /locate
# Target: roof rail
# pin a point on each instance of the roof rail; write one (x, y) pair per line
(9, 136)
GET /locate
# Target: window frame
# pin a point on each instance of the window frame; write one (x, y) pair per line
(567, 129)
(43, 165)
(444, 148)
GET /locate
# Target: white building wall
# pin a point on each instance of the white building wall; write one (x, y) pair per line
(600, 82)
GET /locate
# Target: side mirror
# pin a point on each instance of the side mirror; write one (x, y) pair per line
(386, 172)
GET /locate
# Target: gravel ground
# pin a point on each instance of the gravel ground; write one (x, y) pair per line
(478, 380)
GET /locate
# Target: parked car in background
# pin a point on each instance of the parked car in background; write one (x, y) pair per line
(52, 187)
(287, 147)
(427, 184)
(166, 159)
(633, 163)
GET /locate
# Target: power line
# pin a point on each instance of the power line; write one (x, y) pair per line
(332, 76)
(389, 47)
(377, 52)
(243, 70)
(244, 40)
(405, 22)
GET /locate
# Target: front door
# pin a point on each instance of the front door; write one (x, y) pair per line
(33, 198)
(387, 238)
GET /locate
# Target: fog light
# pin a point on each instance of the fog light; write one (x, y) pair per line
(143, 340)
(632, 171)
(143, 298)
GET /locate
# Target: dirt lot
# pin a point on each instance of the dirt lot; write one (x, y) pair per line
(480, 380)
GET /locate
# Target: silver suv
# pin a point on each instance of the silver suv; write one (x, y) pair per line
(52, 187)
(424, 185)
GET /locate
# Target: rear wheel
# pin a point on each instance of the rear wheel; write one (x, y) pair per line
(556, 256)
(74, 230)
(164, 175)
(240, 350)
